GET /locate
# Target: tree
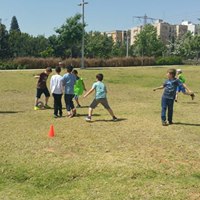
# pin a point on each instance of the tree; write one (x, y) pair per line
(98, 45)
(147, 43)
(4, 44)
(14, 25)
(70, 36)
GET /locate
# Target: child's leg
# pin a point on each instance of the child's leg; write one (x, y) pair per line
(170, 103)
(104, 102)
(56, 99)
(176, 98)
(67, 103)
(90, 111)
(164, 109)
(60, 104)
(77, 101)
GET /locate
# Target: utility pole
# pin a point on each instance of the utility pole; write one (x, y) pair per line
(127, 43)
(82, 4)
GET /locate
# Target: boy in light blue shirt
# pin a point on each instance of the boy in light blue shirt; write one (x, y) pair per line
(100, 97)
(69, 81)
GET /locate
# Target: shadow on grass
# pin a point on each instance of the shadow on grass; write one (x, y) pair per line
(191, 102)
(108, 120)
(185, 124)
(85, 115)
(10, 112)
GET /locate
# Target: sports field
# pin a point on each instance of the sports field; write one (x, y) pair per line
(132, 159)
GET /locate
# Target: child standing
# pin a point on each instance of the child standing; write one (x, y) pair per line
(100, 97)
(167, 103)
(42, 88)
(69, 81)
(79, 87)
(182, 89)
(56, 87)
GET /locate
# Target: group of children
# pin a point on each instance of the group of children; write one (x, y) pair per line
(72, 86)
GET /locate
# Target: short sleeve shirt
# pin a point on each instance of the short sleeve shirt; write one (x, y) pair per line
(69, 81)
(100, 90)
(170, 87)
(42, 82)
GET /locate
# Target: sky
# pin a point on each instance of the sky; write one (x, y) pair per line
(42, 17)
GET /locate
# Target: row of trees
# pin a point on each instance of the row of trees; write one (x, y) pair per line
(66, 42)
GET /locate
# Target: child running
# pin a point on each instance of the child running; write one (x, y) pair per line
(42, 88)
(56, 87)
(69, 81)
(79, 87)
(185, 90)
(167, 103)
(100, 97)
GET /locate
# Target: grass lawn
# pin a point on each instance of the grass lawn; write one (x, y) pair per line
(132, 159)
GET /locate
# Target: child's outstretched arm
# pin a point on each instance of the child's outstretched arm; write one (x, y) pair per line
(89, 92)
(158, 88)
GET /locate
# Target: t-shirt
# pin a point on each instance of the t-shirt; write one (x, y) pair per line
(181, 78)
(69, 81)
(78, 87)
(42, 82)
(170, 87)
(56, 84)
(100, 90)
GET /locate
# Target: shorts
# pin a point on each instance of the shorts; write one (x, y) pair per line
(102, 101)
(41, 91)
(181, 89)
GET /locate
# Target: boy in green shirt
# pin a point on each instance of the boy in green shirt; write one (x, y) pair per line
(185, 91)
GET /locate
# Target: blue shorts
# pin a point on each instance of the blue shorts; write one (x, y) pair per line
(181, 89)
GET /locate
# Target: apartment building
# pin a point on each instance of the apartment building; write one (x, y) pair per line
(119, 36)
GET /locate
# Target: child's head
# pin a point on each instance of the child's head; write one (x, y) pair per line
(179, 71)
(58, 69)
(99, 77)
(48, 70)
(69, 68)
(75, 72)
(171, 73)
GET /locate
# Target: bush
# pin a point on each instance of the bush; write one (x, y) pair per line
(169, 61)
(40, 63)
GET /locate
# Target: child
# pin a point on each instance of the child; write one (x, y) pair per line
(182, 89)
(170, 87)
(69, 81)
(79, 87)
(100, 97)
(56, 87)
(42, 87)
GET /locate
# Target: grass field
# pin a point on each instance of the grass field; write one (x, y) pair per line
(132, 159)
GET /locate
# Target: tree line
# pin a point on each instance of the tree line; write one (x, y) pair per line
(66, 43)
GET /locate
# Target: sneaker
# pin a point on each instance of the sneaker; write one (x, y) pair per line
(47, 107)
(88, 119)
(36, 108)
(164, 123)
(170, 123)
(114, 119)
(55, 116)
(192, 96)
(78, 106)
(60, 115)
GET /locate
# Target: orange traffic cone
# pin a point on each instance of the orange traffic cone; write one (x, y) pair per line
(51, 131)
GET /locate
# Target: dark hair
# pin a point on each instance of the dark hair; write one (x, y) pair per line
(99, 77)
(172, 72)
(75, 71)
(58, 69)
(48, 69)
(69, 68)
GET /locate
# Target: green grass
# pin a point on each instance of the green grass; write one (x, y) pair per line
(132, 159)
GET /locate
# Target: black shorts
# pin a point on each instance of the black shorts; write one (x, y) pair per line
(102, 101)
(41, 91)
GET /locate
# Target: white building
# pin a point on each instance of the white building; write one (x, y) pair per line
(191, 27)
